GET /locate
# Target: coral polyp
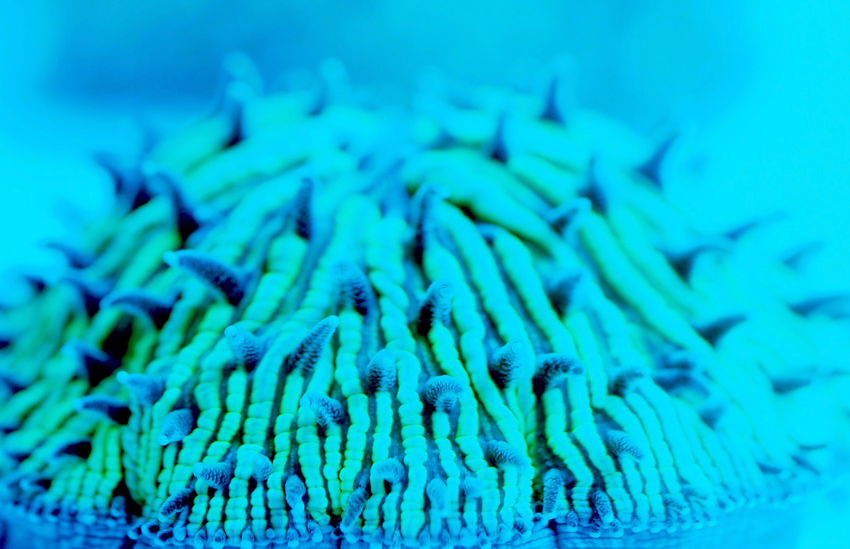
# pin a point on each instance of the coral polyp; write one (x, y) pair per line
(311, 320)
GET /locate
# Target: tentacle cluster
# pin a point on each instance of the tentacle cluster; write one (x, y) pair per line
(381, 336)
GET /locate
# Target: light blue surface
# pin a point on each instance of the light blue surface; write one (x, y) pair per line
(759, 88)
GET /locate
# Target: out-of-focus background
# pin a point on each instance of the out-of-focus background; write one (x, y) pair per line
(759, 88)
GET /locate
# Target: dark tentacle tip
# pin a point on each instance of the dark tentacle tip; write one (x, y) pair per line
(680, 359)
(498, 148)
(442, 393)
(813, 447)
(422, 217)
(769, 468)
(748, 227)
(567, 218)
(114, 409)
(797, 258)
(236, 96)
(321, 98)
(803, 463)
(79, 448)
(91, 291)
(436, 307)
(97, 364)
(712, 413)
(37, 283)
(142, 304)
(163, 181)
(147, 389)
(673, 381)
(625, 379)
(355, 288)
(713, 331)
(127, 180)
(569, 291)
(561, 99)
(833, 305)
(555, 368)
(231, 282)
(550, 106)
(11, 384)
(247, 348)
(783, 385)
(651, 169)
(239, 82)
(307, 353)
(682, 261)
(300, 218)
(507, 363)
(488, 231)
(594, 189)
(76, 259)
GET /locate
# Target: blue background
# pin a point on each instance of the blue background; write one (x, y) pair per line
(760, 89)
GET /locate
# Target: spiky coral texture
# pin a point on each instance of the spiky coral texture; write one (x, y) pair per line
(447, 328)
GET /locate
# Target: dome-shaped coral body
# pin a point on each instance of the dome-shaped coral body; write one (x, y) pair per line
(312, 323)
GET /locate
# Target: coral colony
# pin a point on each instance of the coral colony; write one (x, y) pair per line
(312, 320)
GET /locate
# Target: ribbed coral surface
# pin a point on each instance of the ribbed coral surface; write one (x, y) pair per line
(311, 320)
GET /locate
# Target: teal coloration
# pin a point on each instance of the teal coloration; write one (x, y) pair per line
(356, 502)
(174, 503)
(219, 276)
(217, 476)
(147, 389)
(328, 411)
(508, 363)
(389, 470)
(176, 425)
(245, 346)
(261, 468)
(380, 372)
(141, 304)
(622, 444)
(442, 393)
(436, 305)
(355, 287)
(307, 353)
(460, 325)
(111, 408)
(94, 361)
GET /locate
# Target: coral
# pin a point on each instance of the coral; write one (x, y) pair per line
(313, 321)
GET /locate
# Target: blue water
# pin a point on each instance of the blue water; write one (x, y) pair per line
(758, 88)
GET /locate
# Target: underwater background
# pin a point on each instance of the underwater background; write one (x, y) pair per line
(757, 89)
